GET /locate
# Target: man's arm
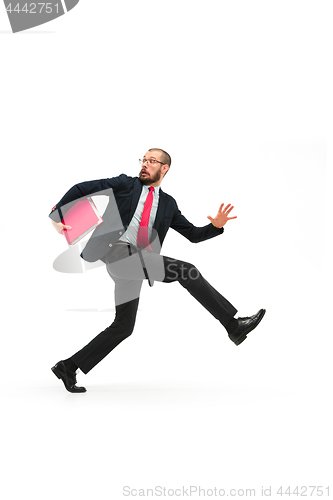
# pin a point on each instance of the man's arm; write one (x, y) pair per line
(197, 234)
(81, 190)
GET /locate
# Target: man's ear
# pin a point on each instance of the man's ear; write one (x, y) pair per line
(165, 168)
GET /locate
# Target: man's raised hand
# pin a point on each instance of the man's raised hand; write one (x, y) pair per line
(222, 216)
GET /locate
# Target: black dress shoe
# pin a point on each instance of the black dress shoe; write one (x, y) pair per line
(246, 325)
(67, 376)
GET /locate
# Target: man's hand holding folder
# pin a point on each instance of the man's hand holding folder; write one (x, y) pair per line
(78, 220)
(59, 227)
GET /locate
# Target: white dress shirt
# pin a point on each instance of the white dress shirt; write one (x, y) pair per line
(130, 236)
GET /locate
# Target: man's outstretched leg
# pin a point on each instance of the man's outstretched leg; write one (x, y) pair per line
(191, 279)
(168, 270)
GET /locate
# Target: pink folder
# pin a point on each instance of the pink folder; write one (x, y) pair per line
(83, 217)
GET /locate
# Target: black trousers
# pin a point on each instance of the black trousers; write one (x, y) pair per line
(124, 265)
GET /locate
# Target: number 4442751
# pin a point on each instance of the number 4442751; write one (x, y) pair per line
(33, 8)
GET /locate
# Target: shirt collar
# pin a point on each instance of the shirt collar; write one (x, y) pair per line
(156, 189)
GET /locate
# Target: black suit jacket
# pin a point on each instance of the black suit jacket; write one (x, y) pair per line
(124, 193)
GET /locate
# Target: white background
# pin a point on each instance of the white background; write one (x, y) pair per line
(239, 94)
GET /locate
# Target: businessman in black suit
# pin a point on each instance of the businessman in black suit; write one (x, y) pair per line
(128, 241)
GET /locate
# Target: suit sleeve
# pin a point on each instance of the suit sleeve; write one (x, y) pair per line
(194, 234)
(82, 190)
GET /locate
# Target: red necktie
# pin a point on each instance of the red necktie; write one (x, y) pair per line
(142, 238)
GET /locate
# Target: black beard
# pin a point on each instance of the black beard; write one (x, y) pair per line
(150, 180)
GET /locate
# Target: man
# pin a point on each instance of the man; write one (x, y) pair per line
(135, 224)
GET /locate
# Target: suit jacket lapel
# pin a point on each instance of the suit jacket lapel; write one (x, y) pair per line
(135, 198)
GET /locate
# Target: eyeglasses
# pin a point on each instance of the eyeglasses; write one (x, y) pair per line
(152, 162)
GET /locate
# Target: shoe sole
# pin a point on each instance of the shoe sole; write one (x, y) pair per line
(241, 339)
(244, 337)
